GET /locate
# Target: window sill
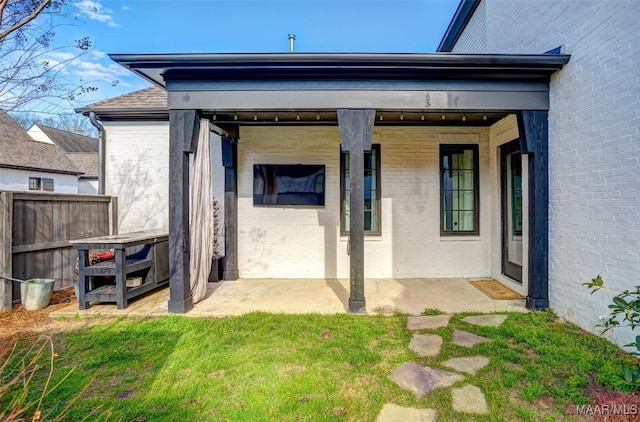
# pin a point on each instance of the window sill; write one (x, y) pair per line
(461, 238)
(367, 238)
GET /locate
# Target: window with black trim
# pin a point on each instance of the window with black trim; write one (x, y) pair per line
(47, 185)
(371, 191)
(459, 188)
(35, 183)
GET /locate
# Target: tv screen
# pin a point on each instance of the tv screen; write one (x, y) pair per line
(288, 185)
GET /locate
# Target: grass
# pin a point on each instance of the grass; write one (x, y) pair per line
(309, 367)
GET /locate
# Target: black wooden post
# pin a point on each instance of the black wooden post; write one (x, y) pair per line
(534, 141)
(183, 140)
(230, 163)
(356, 132)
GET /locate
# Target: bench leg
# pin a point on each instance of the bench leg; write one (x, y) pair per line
(83, 280)
(121, 279)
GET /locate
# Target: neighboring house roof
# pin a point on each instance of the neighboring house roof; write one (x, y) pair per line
(85, 162)
(19, 151)
(458, 23)
(69, 141)
(152, 100)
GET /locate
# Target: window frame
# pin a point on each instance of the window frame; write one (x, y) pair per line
(448, 149)
(37, 181)
(45, 182)
(343, 155)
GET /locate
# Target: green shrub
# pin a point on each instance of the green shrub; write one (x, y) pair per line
(624, 312)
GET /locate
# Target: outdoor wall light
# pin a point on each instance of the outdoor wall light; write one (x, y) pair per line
(464, 118)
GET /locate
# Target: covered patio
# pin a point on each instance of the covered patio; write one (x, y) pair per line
(234, 94)
(330, 296)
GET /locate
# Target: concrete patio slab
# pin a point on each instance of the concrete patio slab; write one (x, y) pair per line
(322, 296)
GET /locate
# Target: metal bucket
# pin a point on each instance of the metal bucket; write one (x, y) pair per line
(35, 293)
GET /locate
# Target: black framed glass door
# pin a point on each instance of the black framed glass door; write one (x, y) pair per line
(512, 212)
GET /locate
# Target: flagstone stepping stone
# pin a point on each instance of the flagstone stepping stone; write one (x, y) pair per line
(420, 379)
(467, 339)
(469, 364)
(486, 320)
(469, 399)
(393, 413)
(430, 322)
(426, 344)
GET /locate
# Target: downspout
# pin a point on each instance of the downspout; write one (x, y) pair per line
(102, 141)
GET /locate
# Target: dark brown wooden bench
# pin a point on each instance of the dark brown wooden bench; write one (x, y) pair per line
(151, 263)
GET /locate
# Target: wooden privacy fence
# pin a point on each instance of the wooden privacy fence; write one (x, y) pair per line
(35, 230)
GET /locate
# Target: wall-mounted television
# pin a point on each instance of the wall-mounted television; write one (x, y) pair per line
(288, 185)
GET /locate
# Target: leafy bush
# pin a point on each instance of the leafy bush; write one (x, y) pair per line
(624, 312)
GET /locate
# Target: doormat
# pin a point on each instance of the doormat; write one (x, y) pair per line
(495, 290)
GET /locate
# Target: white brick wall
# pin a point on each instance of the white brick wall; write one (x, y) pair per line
(137, 172)
(594, 131)
(306, 243)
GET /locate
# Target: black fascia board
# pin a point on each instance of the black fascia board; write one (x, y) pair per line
(458, 23)
(157, 68)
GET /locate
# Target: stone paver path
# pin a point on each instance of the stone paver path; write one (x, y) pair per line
(426, 344)
(394, 413)
(469, 399)
(467, 339)
(469, 364)
(421, 380)
(428, 322)
(485, 320)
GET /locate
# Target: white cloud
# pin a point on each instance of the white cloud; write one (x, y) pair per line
(126, 8)
(92, 71)
(95, 11)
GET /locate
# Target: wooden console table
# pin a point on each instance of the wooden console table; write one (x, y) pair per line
(151, 264)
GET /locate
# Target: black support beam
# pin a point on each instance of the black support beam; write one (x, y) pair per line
(534, 141)
(183, 138)
(230, 163)
(356, 132)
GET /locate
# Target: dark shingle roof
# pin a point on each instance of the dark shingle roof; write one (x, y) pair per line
(70, 142)
(18, 150)
(147, 98)
(85, 162)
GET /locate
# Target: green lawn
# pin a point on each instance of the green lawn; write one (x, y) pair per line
(263, 367)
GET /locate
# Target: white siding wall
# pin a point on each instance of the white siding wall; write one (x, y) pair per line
(306, 243)
(137, 172)
(18, 180)
(594, 130)
(88, 186)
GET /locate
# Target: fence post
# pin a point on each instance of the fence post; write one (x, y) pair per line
(113, 215)
(6, 249)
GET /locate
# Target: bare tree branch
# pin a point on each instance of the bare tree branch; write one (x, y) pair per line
(33, 69)
(25, 21)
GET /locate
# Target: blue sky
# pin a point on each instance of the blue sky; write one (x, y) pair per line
(216, 26)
